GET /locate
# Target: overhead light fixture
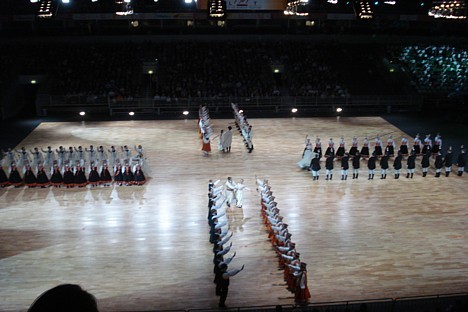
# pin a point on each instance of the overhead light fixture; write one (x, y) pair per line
(217, 8)
(82, 113)
(452, 9)
(185, 113)
(131, 113)
(33, 81)
(294, 110)
(297, 7)
(45, 9)
(124, 7)
(363, 9)
(339, 110)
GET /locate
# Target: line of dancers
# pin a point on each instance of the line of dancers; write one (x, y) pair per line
(295, 271)
(204, 129)
(311, 157)
(219, 237)
(73, 155)
(75, 167)
(243, 126)
(72, 176)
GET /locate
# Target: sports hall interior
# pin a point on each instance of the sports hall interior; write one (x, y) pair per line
(383, 242)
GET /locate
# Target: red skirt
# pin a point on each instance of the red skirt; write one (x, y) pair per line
(206, 147)
(302, 295)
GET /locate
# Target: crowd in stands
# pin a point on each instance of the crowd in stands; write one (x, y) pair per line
(91, 71)
(309, 70)
(216, 69)
(98, 70)
(435, 69)
(184, 69)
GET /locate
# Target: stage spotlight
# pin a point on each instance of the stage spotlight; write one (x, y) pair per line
(188, 1)
(33, 81)
(294, 110)
(339, 110)
(65, 1)
(34, 1)
(131, 113)
(185, 113)
(82, 113)
(150, 71)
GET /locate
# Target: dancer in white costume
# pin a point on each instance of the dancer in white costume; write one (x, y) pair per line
(230, 187)
(239, 193)
(307, 155)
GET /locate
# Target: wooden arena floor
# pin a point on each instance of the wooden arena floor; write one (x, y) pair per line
(146, 248)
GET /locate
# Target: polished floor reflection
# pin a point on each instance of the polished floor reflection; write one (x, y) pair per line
(146, 247)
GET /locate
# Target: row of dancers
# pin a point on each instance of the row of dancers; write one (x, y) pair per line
(61, 156)
(219, 237)
(440, 162)
(69, 177)
(244, 127)
(419, 147)
(295, 271)
(204, 129)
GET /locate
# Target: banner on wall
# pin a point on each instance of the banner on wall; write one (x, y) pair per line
(257, 5)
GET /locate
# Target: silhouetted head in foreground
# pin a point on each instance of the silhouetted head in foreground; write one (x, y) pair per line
(65, 298)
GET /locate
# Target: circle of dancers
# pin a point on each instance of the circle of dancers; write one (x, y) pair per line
(73, 167)
(382, 154)
(219, 237)
(295, 271)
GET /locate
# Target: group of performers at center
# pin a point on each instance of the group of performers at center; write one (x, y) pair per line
(312, 154)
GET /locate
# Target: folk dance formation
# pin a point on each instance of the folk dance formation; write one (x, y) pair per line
(219, 237)
(204, 129)
(385, 157)
(295, 271)
(234, 192)
(73, 167)
(243, 126)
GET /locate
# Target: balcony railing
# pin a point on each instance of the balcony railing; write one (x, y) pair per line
(351, 105)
